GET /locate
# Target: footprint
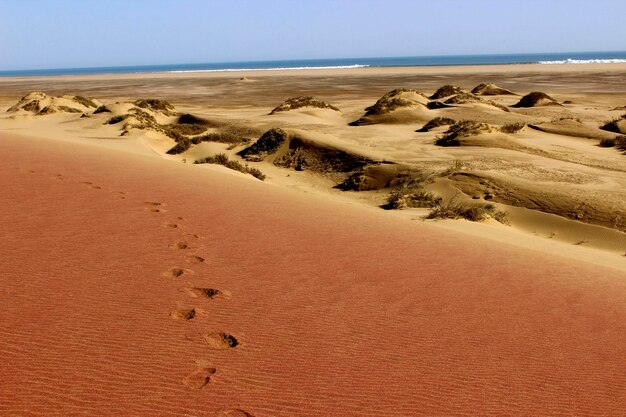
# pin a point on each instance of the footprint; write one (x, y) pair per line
(179, 245)
(176, 272)
(155, 206)
(171, 225)
(221, 341)
(57, 176)
(201, 377)
(209, 293)
(236, 412)
(184, 313)
(195, 259)
(91, 185)
(120, 195)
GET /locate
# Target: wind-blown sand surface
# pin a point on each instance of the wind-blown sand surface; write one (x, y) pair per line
(336, 310)
(135, 284)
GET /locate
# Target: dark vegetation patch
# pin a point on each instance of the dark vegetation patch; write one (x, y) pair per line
(512, 127)
(222, 159)
(411, 195)
(436, 122)
(471, 212)
(535, 98)
(302, 101)
(32, 106)
(434, 105)
(116, 119)
(267, 144)
(84, 101)
(102, 109)
(614, 125)
(618, 142)
(447, 90)
(464, 128)
(155, 104)
(303, 156)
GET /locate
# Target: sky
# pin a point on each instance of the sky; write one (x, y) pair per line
(43, 34)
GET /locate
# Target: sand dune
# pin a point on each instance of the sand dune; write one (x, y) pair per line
(536, 98)
(300, 102)
(490, 89)
(401, 105)
(517, 332)
(137, 283)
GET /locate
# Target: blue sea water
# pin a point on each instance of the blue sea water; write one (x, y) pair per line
(312, 64)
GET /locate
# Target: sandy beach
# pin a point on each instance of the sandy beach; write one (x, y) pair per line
(137, 282)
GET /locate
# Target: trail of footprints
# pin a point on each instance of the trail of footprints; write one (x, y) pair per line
(201, 377)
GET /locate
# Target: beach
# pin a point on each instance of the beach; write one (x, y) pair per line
(137, 282)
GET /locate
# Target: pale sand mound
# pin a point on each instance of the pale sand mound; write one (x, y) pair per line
(300, 102)
(294, 149)
(397, 106)
(446, 91)
(490, 89)
(342, 308)
(572, 127)
(539, 196)
(536, 99)
(468, 98)
(41, 104)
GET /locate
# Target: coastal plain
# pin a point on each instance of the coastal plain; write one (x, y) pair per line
(344, 276)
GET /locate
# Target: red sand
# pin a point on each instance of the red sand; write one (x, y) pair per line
(338, 311)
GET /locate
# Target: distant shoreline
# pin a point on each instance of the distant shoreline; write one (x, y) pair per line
(573, 58)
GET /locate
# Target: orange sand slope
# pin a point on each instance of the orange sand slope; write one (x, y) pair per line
(323, 309)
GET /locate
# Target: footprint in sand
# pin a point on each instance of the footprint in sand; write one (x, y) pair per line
(120, 195)
(92, 185)
(57, 177)
(221, 341)
(176, 272)
(236, 412)
(210, 293)
(201, 376)
(171, 225)
(155, 206)
(195, 259)
(179, 245)
(184, 313)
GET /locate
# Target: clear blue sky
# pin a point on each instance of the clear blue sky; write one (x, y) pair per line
(87, 33)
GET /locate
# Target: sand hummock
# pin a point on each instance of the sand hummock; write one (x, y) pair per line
(397, 106)
(446, 91)
(300, 102)
(490, 89)
(535, 99)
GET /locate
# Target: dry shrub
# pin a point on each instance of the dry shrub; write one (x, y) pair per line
(222, 159)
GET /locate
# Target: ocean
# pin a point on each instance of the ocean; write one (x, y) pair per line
(313, 64)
